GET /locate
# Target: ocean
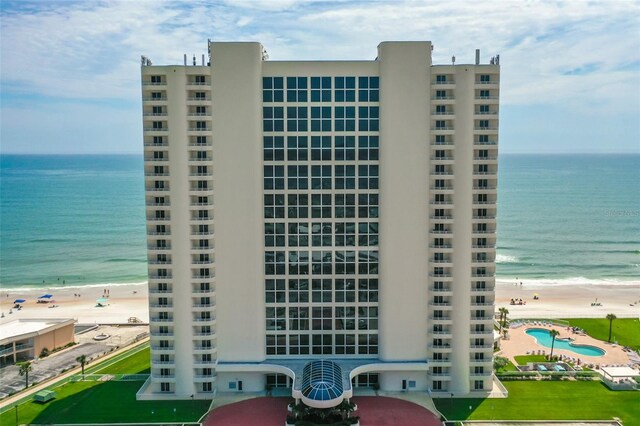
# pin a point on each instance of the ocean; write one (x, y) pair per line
(80, 220)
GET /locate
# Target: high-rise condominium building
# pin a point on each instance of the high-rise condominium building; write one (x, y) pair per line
(320, 225)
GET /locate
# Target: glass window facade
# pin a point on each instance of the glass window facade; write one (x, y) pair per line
(321, 215)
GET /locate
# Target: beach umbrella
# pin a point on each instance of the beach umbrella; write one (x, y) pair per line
(102, 300)
(46, 296)
(19, 301)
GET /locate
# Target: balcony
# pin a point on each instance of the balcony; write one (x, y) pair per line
(168, 306)
(157, 219)
(160, 277)
(482, 290)
(156, 129)
(492, 142)
(199, 129)
(484, 346)
(154, 99)
(200, 362)
(158, 319)
(199, 334)
(205, 320)
(156, 291)
(440, 319)
(485, 128)
(439, 275)
(205, 291)
(162, 348)
(440, 290)
(440, 361)
(485, 83)
(158, 334)
(484, 374)
(440, 346)
(153, 248)
(163, 363)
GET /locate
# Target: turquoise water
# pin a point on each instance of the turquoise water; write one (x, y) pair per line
(80, 219)
(76, 218)
(544, 338)
(569, 216)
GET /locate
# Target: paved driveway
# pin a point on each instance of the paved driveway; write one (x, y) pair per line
(45, 368)
(373, 411)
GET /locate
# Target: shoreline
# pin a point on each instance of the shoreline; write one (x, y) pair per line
(131, 300)
(124, 301)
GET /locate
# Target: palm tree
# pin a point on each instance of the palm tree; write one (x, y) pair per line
(503, 317)
(25, 368)
(553, 334)
(82, 359)
(610, 317)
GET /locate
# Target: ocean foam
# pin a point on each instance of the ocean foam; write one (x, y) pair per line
(51, 289)
(505, 258)
(571, 281)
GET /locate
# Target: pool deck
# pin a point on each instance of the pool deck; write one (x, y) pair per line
(519, 343)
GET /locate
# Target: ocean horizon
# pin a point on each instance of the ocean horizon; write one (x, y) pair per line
(79, 220)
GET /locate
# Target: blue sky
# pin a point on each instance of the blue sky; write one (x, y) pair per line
(70, 78)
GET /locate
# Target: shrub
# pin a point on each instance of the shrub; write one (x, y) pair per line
(44, 353)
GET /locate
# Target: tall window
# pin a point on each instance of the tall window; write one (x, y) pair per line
(273, 119)
(272, 89)
(345, 89)
(297, 119)
(320, 119)
(297, 148)
(320, 89)
(345, 119)
(368, 89)
(368, 119)
(296, 89)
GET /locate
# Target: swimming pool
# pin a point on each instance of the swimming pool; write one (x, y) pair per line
(543, 338)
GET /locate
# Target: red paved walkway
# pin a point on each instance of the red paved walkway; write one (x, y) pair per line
(373, 411)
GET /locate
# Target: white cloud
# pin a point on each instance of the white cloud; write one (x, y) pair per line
(90, 50)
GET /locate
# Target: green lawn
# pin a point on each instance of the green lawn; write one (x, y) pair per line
(137, 363)
(524, 359)
(548, 400)
(104, 402)
(626, 331)
(508, 367)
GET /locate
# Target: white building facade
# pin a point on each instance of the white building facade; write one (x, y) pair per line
(330, 210)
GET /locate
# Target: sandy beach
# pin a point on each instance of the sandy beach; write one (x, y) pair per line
(123, 301)
(569, 301)
(130, 300)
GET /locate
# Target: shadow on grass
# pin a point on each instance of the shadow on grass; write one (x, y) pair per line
(458, 408)
(115, 402)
